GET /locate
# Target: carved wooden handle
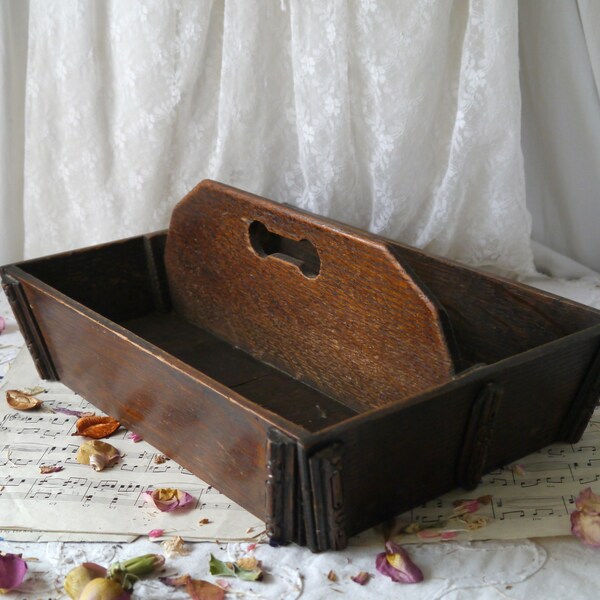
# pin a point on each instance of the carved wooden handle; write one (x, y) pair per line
(325, 303)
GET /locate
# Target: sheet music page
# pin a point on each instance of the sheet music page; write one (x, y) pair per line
(532, 498)
(79, 503)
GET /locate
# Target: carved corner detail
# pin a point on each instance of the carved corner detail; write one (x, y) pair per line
(29, 327)
(479, 433)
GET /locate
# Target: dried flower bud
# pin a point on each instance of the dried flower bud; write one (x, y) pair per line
(97, 454)
(104, 589)
(138, 566)
(80, 576)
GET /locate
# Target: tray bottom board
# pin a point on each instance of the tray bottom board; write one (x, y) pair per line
(257, 381)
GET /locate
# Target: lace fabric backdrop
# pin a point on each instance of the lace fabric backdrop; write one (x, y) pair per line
(401, 117)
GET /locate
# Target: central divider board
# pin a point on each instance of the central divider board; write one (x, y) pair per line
(326, 304)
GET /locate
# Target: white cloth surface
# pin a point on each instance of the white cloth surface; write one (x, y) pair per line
(401, 117)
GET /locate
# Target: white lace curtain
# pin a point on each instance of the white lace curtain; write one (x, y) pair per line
(400, 116)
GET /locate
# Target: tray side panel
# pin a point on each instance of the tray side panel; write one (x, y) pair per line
(183, 416)
(401, 457)
(493, 318)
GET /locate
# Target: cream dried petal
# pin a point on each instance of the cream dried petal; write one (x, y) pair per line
(97, 454)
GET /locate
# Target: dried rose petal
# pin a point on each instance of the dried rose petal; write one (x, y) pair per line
(2, 324)
(175, 547)
(97, 454)
(362, 578)
(20, 400)
(585, 520)
(427, 534)
(12, 571)
(448, 535)
(588, 502)
(179, 581)
(96, 427)
(518, 470)
(71, 412)
(466, 506)
(197, 589)
(134, 437)
(168, 499)
(155, 533)
(45, 469)
(586, 528)
(332, 576)
(397, 565)
(223, 584)
(159, 459)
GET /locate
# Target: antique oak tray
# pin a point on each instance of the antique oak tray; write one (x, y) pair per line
(322, 377)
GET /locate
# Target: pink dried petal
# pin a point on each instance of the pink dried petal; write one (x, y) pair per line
(70, 412)
(12, 571)
(361, 578)
(168, 499)
(586, 528)
(45, 469)
(2, 324)
(427, 534)
(397, 565)
(251, 547)
(448, 535)
(588, 502)
(134, 437)
(225, 585)
(466, 506)
(518, 470)
(154, 533)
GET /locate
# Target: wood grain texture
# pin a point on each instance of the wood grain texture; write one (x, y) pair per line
(264, 420)
(361, 331)
(411, 453)
(493, 318)
(201, 424)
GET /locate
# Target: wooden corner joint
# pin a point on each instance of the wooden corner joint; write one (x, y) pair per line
(280, 488)
(29, 327)
(583, 405)
(480, 429)
(326, 471)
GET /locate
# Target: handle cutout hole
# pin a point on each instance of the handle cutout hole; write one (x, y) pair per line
(301, 253)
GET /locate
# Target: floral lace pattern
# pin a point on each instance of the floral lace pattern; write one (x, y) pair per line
(401, 117)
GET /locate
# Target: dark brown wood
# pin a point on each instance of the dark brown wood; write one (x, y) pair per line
(360, 328)
(281, 494)
(29, 329)
(328, 505)
(583, 405)
(494, 318)
(269, 427)
(477, 437)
